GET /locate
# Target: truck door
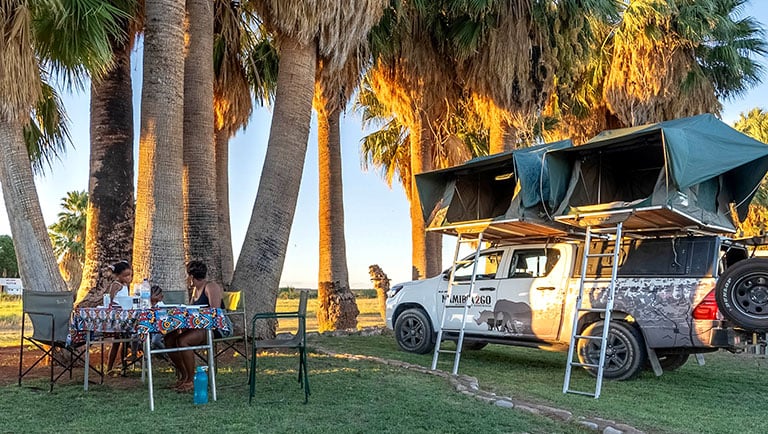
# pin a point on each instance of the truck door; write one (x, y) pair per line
(486, 283)
(530, 297)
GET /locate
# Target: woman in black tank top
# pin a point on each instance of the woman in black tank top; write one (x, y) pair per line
(205, 293)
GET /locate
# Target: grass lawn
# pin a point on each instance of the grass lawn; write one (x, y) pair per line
(725, 395)
(347, 397)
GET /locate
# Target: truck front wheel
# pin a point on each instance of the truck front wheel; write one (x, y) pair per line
(624, 356)
(413, 331)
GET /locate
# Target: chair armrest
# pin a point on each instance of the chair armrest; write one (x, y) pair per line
(270, 315)
(275, 315)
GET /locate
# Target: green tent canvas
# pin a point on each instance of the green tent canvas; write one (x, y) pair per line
(673, 175)
(499, 195)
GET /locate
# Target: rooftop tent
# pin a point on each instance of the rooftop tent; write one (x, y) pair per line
(679, 174)
(500, 194)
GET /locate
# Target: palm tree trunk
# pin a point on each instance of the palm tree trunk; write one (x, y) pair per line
(500, 137)
(37, 264)
(201, 234)
(262, 256)
(427, 249)
(109, 226)
(222, 198)
(337, 307)
(158, 241)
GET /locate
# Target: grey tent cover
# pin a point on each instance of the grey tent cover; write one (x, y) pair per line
(682, 172)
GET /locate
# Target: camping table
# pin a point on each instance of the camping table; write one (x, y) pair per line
(146, 321)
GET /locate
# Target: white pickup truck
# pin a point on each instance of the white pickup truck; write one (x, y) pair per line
(526, 293)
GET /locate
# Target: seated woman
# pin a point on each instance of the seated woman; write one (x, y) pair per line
(118, 288)
(204, 292)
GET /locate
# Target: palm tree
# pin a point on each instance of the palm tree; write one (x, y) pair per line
(676, 58)
(414, 77)
(158, 252)
(109, 234)
(337, 308)
(20, 88)
(755, 124)
(201, 233)
(301, 30)
(68, 237)
(388, 149)
(244, 60)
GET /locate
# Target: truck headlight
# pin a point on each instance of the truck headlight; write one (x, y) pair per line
(394, 290)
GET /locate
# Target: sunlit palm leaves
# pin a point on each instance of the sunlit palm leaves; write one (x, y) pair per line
(675, 58)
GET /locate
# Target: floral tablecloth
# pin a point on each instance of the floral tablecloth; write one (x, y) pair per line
(144, 321)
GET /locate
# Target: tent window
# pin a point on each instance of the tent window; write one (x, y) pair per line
(481, 195)
(618, 174)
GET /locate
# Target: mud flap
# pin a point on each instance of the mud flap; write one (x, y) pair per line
(654, 360)
(699, 359)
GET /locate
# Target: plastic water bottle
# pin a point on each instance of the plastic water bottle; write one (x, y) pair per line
(144, 294)
(201, 385)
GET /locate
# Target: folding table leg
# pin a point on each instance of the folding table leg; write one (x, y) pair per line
(148, 357)
(211, 367)
(87, 359)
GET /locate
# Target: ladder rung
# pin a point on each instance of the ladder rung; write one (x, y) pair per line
(599, 255)
(589, 337)
(445, 329)
(468, 240)
(585, 365)
(592, 309)
(447, 351)
(578, 392)
(464, 262)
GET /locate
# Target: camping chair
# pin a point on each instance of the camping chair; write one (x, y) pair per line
(298, 341)
(49, 313)
(234, 310)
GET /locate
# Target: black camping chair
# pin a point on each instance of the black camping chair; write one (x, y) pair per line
(49, 313)
(298, 341)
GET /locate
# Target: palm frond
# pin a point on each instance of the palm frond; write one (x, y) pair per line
(19, 73)
(47, 134)
(74, 37)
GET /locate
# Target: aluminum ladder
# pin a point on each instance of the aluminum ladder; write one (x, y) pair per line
(604, 311)
(463, 238)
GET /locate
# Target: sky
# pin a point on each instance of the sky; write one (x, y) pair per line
(377, 224)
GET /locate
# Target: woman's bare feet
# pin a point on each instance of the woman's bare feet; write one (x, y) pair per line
(185, 387)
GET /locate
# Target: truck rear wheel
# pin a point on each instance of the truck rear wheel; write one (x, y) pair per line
(742, 294)
(413, 331)
(625, 355)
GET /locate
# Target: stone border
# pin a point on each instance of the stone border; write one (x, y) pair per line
(469, 386)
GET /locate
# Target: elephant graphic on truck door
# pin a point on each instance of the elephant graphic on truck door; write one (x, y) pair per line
(508, 317)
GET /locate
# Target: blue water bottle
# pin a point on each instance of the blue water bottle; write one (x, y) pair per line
(201, 385)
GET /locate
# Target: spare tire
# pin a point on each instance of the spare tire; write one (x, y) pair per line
(742, 294)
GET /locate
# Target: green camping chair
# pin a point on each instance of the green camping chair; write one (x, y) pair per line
(298, 341)
(49, 313)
